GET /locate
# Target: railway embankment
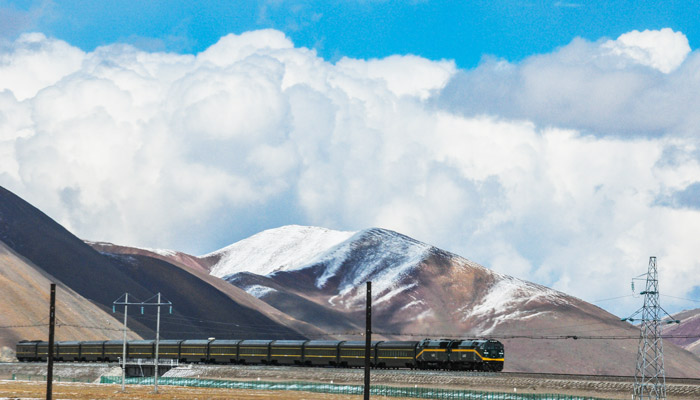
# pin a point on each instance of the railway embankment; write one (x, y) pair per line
(579, 385)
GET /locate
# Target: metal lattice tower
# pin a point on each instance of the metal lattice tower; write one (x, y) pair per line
(649, 376)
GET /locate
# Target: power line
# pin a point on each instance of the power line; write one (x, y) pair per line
(22, 326)
(681, 298)
(612, 298)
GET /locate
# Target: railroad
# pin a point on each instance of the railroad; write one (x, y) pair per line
(613, 387)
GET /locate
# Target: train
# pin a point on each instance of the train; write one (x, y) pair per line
(461, 354)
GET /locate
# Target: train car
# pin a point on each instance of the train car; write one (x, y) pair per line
(113, 350)
(352, 353)
(483, 355)
(494, 355)
(224, 351)
(396, 354)
(287, 352)
(42, 351)
(433, 353)
(141, 349)
(254, 351)
(194, 351)
(68, 351)
(169, 349)
(26, 350)
(92, 350)
(465, 354)
(321, 352)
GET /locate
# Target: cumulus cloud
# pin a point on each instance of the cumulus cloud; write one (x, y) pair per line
(568, 169)
(616, 87)
(664, 50)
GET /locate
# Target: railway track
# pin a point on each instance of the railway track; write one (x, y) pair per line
(307, 370)
(600, 378)
(603, 386)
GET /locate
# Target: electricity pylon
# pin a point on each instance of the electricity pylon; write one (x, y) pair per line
(649, 375)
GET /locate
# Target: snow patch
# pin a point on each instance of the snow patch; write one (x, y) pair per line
(259, 291)
(505, 300)
(425, 314)
(162, 252)
(414, 303)
(393, 292)
(399, 252)
(281, 249)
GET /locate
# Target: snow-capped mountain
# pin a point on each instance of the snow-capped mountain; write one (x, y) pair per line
(341, 262)
(285, 248)
(422, 291)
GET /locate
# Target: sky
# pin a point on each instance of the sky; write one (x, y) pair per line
(557, 141)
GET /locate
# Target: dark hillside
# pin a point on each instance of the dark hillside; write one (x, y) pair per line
(35, 236)
(200, 309)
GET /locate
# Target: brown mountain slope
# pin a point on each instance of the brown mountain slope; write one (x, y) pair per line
(24, 301)
(196, 269)
(687, 333)
(173, 257)
(200, 310)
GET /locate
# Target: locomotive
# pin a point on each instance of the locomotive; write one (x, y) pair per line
(461, 354)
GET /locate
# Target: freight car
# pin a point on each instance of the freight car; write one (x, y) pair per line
(464, 354)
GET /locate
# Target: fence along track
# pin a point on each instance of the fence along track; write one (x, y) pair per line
(376, 390)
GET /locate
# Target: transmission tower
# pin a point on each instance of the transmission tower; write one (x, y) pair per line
(649, 375)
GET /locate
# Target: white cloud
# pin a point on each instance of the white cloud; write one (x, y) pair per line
(403, 75)
(554, 169)
(640, 84)
(664, 50)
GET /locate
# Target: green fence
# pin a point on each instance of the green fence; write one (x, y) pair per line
(376, 390)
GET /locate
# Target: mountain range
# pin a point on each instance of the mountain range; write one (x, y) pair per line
(309, 282)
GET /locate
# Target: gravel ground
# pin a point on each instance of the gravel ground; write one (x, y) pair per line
(493, 382)
(84, 391)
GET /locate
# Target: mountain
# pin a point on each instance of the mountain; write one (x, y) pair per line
(24, 301)
(284, 248)
(196, 269)
(200, 309)
(295, 282)
(170, 256)
(687, 333)
(422, 291)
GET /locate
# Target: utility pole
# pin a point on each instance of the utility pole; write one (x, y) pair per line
(155, 380)
(649, 375)
(368, 339)
(52, 327)
(142, 304)
(126, 304)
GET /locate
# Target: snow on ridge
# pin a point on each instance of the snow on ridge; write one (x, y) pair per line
(162, 252)
(259, 290)
(286, 248)
(402, 252)
(506, 298)
(406, 254)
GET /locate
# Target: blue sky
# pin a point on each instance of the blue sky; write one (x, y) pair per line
(460, 30)
(558, 142)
